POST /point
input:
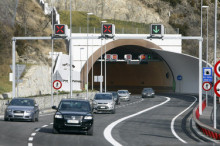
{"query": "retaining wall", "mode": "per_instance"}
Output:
(45, 101)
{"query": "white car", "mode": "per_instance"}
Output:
(124, 95)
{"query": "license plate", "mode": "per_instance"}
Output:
(73, 121)
(102, 107)
(18, 114)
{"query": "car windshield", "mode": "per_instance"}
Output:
(22, 102)
(103, 97)
(148, 90)
(75, 106)
(123, 92)
(114, 94)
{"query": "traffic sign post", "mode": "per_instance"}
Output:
(207, 86)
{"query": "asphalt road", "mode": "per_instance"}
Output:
(152, 127)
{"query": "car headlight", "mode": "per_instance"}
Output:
(9, 110)
(58, 116)
(88, 117)
(28, 111)
(94, 102)
(153, 93)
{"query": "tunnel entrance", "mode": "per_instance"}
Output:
(134, 77)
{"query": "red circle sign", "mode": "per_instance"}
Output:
(57, 84)
(217, 68)
(217, 88)
(207, 86)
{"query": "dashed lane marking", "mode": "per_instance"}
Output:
(30, 139)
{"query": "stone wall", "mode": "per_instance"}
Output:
(44, 102)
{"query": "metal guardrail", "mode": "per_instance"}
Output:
(205, 129)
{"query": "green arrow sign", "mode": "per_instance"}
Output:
(156, 30)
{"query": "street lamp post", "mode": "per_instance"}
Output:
(81, 64)
(101, 59)
(207, 45)
(87, 72)
(200, 68)
(215, 46)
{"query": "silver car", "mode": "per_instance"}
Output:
(104, 102)
(124, 95)
(22, 109)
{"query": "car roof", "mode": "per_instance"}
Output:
(23, 98)
(69, 99)
(104, 93)
(122, 90)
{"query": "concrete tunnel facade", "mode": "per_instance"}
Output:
(173, 63)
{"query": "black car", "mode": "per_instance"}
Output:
(74, 116)
(147, 92)
(116, 97)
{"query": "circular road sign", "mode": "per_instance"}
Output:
(207, 86)
(217, 68)
(179, 77)
(57, 84)
(217, 88)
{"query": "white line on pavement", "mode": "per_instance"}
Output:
(108, 129)
(33, 134)
(173, 120)
(38, 129)
(30, 144)
(51, 123)
(44, 126)
(30, 139)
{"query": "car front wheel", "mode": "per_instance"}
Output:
(90, 131)
(55, 131)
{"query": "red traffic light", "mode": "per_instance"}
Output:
(108, 30)
(59, 29)
(142, 57)
(114, 57)
(108, 57)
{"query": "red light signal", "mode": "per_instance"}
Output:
(108, 57)
(114, 57)
(59, 29)
(128, 57)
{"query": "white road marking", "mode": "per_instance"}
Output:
(51, 123)
(173, 120)
(44, 126)
(46, 115)
(38, 129)
(30, 144)
(33, 134)
(30, 139)
(108, 129)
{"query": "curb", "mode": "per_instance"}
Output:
(200, 134)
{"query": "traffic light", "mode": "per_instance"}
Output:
(143, 58)
(59, 29)
(108, 30)
(127, 57)
(114, 57)
(157, 30)
(108, 57)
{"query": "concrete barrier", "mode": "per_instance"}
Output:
(205, 129)
(44, 102)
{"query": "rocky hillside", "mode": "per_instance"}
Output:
(174, 14)
(28, 21)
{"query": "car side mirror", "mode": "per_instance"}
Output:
(54, 107)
